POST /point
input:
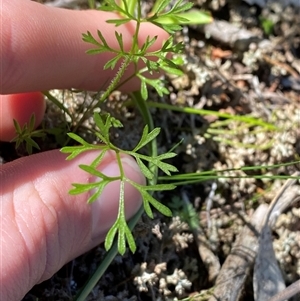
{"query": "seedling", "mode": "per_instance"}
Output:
(26, 133)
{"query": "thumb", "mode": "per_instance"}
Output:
(42, 47)
(42, 226)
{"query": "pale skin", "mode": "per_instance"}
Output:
(42, 226)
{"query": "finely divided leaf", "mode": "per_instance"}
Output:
(170, 70)
(196, 16)
(149, 42)
(116, 123)
(101, 185)
(158, 85)
(112, 62)
(78, 139)
(166, 156)
(80, 188)
(151, 65)
(76, 150)
(160, 207)
(104, 139)
(165, 167)
(130, 240)
(144, 90)
(168, 46)
(177, 8)
(159, 6)
(147, 198)
(96, 51)
(109, 239)
(103, 126)
(97, 186)
(99, 158)
(145, 170)
(146, 137)
(121, 241)
(119, 22)
(170, 28)
(159, 187)
(129, 6)
(171, 20)
(147, 207)
(93, 171)
(100, 35)
(88, 37)
(178, 15)
(109, 5)
(106, 8)
(119, 38)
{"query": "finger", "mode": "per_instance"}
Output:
(42, 47)
(19, 107)
(42, 226)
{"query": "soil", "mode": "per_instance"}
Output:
(246, 63)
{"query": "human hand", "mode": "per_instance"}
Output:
(42, 226)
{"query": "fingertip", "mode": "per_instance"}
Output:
(56, 226)
(20, 107)
(52, 39)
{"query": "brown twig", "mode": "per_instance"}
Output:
(288, 292)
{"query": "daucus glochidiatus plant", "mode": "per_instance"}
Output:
(170, 19)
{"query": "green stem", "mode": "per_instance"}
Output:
(122, 174)
(109, 90)
(115, 80)
(121, 214)
(91, 283)
(57, 103)
(143, 108)
(246, 119)
(83, 294)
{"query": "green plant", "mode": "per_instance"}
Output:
(104, 123)
(186, 212)
(267, 25)
(171, 19)
(233, 173)
(154, 61)
(26, 133)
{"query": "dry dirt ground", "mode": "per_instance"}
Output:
(247, 62)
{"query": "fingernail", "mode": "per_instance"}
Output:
(105, 208)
